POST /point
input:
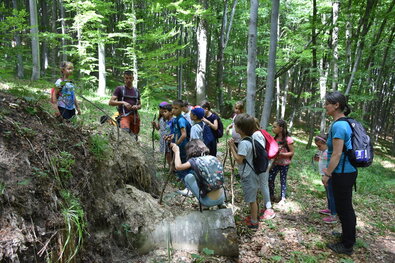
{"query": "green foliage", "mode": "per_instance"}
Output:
(64, 163)
(203, 258)
(2, 188)
(75, 221)
(98, 145)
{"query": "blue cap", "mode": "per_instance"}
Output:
(198, 111)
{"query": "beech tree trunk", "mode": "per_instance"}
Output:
(335, 37)
(201, 36)
(101, 91)
(271, 70)
(19, 60)
(251, 65)
(34, 36)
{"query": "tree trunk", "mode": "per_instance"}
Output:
(63, 24)
(285, 95)
(361, 41)
(44, 28)
(34, 36)
(102, 69)
(323, 80)
(53, 52)
(251, 65)
(19, 64)
(335, 37)
(222, 43)
(271, 70)
(201, 36)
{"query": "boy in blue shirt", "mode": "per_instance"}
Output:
(181, 131)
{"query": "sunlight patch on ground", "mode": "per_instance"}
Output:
(387, 164)
(289, 207)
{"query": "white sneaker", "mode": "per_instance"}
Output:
(185, 192)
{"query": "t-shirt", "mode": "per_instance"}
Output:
(133, 92)
(178, 123)
(197, 131)
(322, 161)
(245, 149)
(235, 135)
(283, 148)
(340, 130)
(187, 116)
(66, 97)
(260, 138)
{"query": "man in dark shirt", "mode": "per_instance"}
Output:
(127, 99)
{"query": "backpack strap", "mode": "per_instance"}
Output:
(251, 140)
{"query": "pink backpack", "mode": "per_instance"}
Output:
(271, 144)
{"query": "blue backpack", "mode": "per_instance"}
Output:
(361, 154)
(208, 136)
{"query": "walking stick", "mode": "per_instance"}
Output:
(153, 133)
(168, 177)
(232, 171)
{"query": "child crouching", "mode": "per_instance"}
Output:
(202, 165)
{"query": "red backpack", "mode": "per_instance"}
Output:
(271, 144)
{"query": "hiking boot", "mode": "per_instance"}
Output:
(339, 248)
(325, 212)
(330, 220)
(252, 225)
(185, 192)
(268, 214)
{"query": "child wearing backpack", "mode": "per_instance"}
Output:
(283, 159)
(201, 130)
(206, 179)
(320, 141)
(215, 123)
(245, 126)
(180, 135)
(267, 212)
(238, 109)
(63, 97)
(161, 125)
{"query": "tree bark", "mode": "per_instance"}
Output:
(19, 65)
(335, 37)
(201, 36)
(101, 91)
(63, 26)
(35, 41)
(271, 70)
(251, 64)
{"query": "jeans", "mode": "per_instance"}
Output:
(191, 184)
(283, 169)
(342, 191)
(330, 197)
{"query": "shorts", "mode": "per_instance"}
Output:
(250, 187)
(65, 113)
(131, 123)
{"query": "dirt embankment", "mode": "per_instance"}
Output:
(58, 183)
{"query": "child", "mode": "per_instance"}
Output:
(168, 117)
(186, 112)
(200, 130)
(244, 125)
(196, 149)
(238, 109)
(320, 141)
(212, 120)
(161, 126)
(63, 95)
(283, 159)
(267, 212)
(181, 131)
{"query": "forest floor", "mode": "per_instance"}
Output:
(296, 234)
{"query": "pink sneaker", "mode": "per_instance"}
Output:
(325, 212)
(268, 214)
(330, 220)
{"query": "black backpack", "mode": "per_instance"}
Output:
(260, 160)
(361, 154)
(220, 131)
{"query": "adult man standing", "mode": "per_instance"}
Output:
(127, 99)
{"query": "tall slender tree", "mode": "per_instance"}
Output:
(251, 64)
(271, 68)
(35, 41)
